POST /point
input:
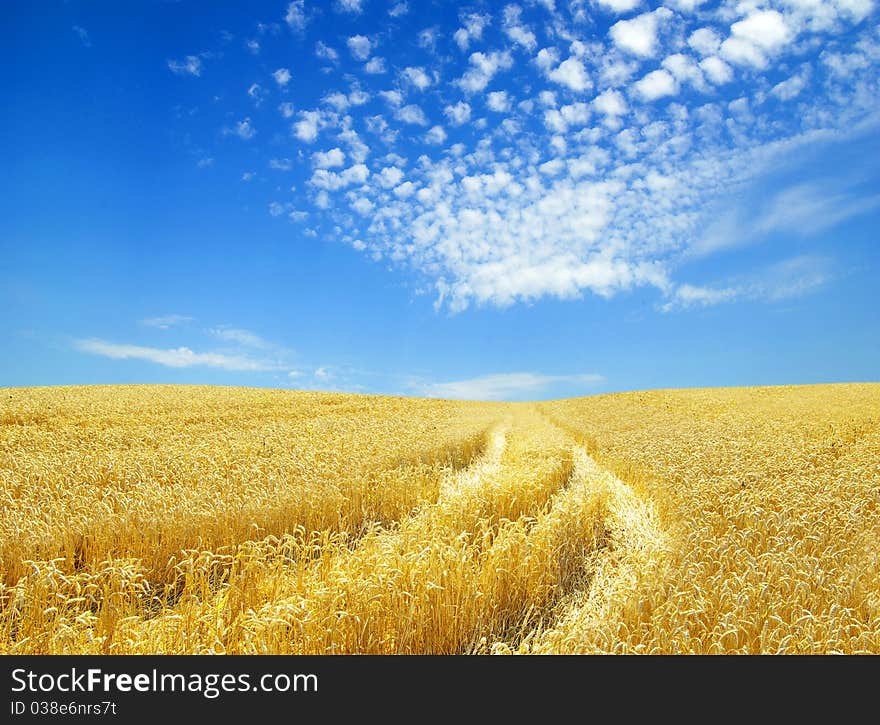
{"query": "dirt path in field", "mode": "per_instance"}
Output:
(485, 466)
(635, 551)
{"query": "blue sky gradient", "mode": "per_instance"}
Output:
(486, 200)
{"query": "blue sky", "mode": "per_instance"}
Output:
(492, 200)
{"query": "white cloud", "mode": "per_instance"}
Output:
(688, 295)
(412, 114)
(238, 336)
(286, 110)
(608, 194)
(398, 9)
(379, 126)
(428, 39)
(308, 126)
(585, 223)
(359, 46)
(572, 74)
(685, 6)
(615, 71)
(763, 32)
(375, 66)
(325, 52)
(656, 84)
(559, 120)
(716, 70)
(791, 87)
(358, 97)
(180, 357)
(458, 114)
(705, 41)
(353, 7)
(323, 373)
(472, 29)
(684, 70)
(392, 98)
(498, 101)
(357, 149)
(248, 176)
(333, 158)
(389, 176)
(552, 167)
(404, 190)
(503, 386)
(338, 100)
(332, 181)
(619, 6)
(546, 59)
(611, 103)
(282, 76)
(281, 164)
(742, 52)
(165, 322)
(436, 135)
(295, 16)
(257, 93)
(516, 30)
(362, 206)
(190, 65)
(484, 67)
(856, 10)
(766, 29)
(639, 35)
(244, 129)
(417, 77)
(844, 65)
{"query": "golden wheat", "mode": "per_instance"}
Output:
(140, 519)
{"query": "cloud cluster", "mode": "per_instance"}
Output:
(782, 280)
(528, 151)
(503, 386)
(180, 357)
(229, 348)
(190, 65)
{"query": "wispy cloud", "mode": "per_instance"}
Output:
(790, 278)
(244, 129)
(803, 210)
(190, 65)
(783, 280)
(809, 209)
(238, 336)
(353, 7)
(295, 16)
(83, 35)
(503, 386)
(576, 158)
(164, 322)
(323, 374)
(180, 357)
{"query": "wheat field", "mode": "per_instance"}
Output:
(186, 519)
